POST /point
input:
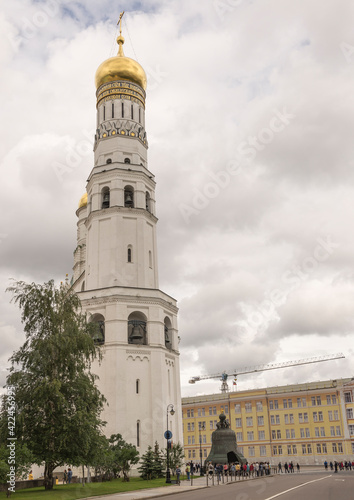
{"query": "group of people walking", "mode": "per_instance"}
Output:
(288, 467)
(255, 469)
(346, 465)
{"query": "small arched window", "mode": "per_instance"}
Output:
(137, 328)
(130, 254)
(105, 197)
(168, 333)
(99, 332)
(127, 160)
(129, 197)
(147, 202)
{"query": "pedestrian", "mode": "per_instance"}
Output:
(286, 467)
(325, 464)
(238, 469)
(256, 468)
(219, 470)
(188, 471)
(178, 475)
(210, 470)
(298, 467)
(331, 465)
(232, 470)
(335, 466)
(70, 475)
(65, 477)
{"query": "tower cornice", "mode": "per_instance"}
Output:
(121, 210)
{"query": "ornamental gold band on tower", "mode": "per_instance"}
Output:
(121, 84)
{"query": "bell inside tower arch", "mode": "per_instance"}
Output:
(105, 198)
(128, 197)
(137, 328)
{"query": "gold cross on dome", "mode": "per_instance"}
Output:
(120, 21)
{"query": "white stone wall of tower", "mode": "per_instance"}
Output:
(111, 286)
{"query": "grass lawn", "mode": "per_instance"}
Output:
(73, 491)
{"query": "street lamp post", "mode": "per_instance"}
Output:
(168, 436)
(201, 428)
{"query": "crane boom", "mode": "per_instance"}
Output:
(261, 368)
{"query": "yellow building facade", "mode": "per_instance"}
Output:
(304, 423)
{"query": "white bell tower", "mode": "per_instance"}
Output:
(115, 266)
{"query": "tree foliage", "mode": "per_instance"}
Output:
(24, 461)
(124, 455)
(152, 466)
(175, 457)
(58, 405)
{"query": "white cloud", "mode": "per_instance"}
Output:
(214, 81)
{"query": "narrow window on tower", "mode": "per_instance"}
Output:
(147, 201)
(130, 257)
(132, 112)
(112, 109)
(104, 112)
(122, 109)
(150, 259)
(168, 333)
(137, 385)
(138, 434)
(139, 115)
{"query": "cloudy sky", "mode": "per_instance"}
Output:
(250, 116)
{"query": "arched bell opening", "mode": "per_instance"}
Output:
(99, 333)
(105, 198)
(168, 333)
(129, 197)
(147, 201)
(137, 328)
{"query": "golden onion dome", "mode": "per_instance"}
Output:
(83, 201)
(120, 67)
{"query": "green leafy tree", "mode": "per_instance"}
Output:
(24, 461)
(124, 456)
(175, 457)
(58, 405)
(102, 459)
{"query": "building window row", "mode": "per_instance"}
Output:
(195, 453)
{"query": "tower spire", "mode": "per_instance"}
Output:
(120, 39)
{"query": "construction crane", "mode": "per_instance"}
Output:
(262, 368)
